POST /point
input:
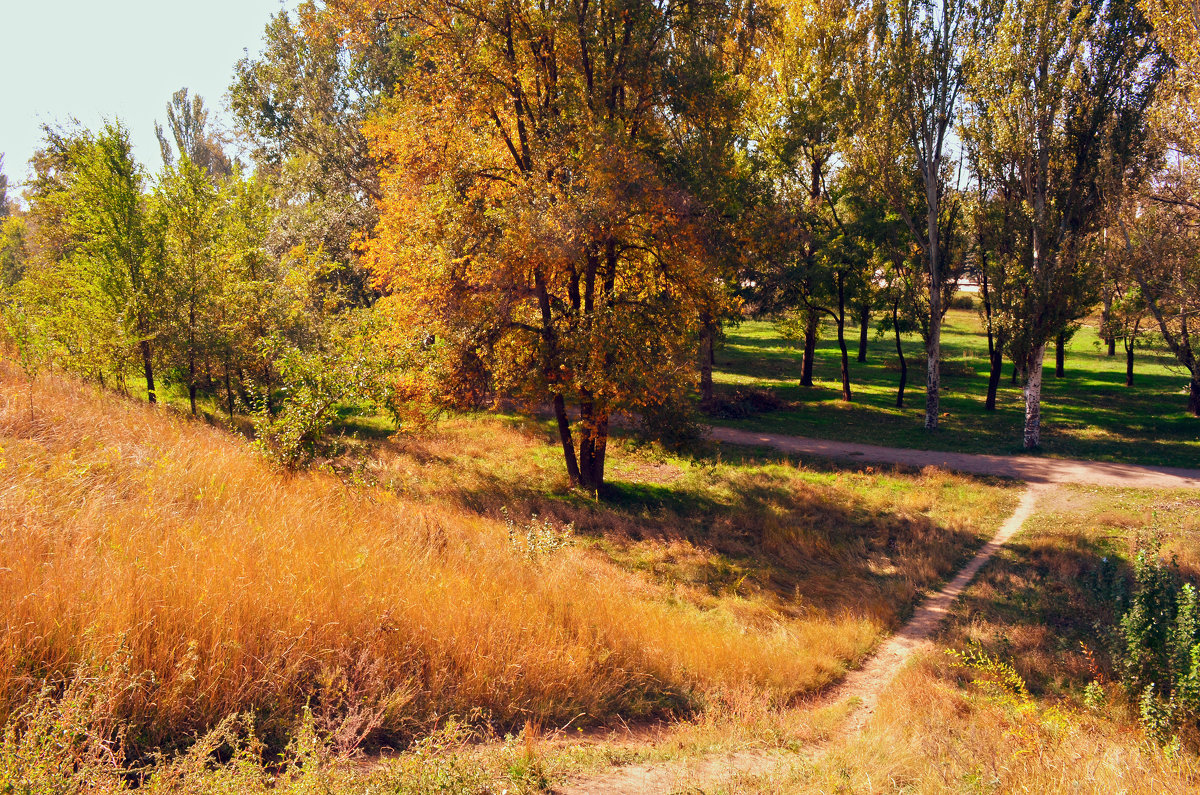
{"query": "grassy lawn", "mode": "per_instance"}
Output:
(1089, 414)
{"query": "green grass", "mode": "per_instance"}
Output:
(1088, 414)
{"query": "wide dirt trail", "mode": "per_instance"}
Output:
(865, 684)
(1019, 467)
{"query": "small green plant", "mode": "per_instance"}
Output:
(997, 678)
(526, 769)
(538, 538)
(1094, 696)
(291, 422)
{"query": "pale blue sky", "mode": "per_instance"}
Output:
(116, 59)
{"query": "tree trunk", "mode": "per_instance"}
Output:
(1129, 345)
(1060, 355)
(599, 449)
(900, 354)
(841, 335)
(192, 357)
(564, 436)
(995, 347)
(1105, 319)
(1013, 378)
(811, 325)
(864, 321)
(841, 329)
(1194, 395)
(997, 366)
(148, 366)
(1033, 400)
(229, 392)
(933, 345)
(593, 441)
(707, 333)
(933, 370)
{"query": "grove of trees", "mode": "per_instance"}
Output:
(424, 204)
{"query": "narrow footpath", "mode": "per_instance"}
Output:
(865, 684)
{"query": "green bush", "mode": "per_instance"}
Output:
(1158, 647)
(290, 423)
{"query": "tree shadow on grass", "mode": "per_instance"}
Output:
(732, 522)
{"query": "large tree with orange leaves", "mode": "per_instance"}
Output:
(529, 224)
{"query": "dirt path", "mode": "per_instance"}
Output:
(864, 684)
(867, 683)
(1020, 467)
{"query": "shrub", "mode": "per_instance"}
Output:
(1158, 647)
(674, 423)
(962, 301)
(743, 403)
(352, 369)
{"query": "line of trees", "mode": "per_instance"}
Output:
(562, 201)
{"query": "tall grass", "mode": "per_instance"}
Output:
(202, 583)
(929, 736)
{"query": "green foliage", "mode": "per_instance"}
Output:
(290, 422)
(59, 744)
(13, 249)
(997, 678)
(1158, 647)
(1094, 696)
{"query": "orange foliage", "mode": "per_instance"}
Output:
(528, 224)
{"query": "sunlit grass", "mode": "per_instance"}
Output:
(1088, 414)
(201, 583)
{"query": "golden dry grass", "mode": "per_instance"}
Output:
(206, 584)
(928, 735)
(761, 536)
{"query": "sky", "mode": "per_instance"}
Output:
(105, 59)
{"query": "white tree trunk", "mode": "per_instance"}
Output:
(1033, 400)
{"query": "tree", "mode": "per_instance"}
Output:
(13, 234)
(4, 208)
(707, 153)
(1170, 215)
(1162, 245)
(194, 140)
(187, 201)
(900, 292)
(119, 255)
(1067, 88)
(302, 104)
(805, 114)
(925, 47)
(527, 222)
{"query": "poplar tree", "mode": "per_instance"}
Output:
(1066, 88)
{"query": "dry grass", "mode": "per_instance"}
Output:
(204, 584)
(763, 537)
(941, 727)
(929, 735)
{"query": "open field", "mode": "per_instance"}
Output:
(1089, 414)
(177, 580)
